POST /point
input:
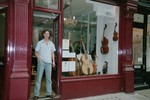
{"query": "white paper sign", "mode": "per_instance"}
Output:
(64, 66)
(65, 44)
(68, 66)
(71, 66)
(67, 54)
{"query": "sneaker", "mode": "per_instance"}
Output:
(35, 98)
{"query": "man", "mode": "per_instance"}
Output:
(44, 52)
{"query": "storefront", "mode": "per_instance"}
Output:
(93, 39)
(141, 47)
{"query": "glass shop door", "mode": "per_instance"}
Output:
(2, 48)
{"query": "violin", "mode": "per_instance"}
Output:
(104, 48)
(115, 37)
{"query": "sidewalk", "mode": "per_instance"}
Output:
(137, 95)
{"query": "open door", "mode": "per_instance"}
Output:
(2, 48)
(140, 51)
(55, 76)
(42, 21)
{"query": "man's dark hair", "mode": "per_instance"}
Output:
(50, 32)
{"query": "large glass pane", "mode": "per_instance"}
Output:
(148, 46)
(138, 46)
(53, 4)
(84, 48)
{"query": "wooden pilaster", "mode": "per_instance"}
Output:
(130, 9)
(17, 70)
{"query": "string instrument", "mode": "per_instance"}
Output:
(94, 68)
(115, 37)
(104, 48)
(72, 73)
(87, 67)
(77, 71)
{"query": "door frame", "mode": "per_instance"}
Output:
(60, 34)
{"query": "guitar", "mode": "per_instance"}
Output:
(87, 67)
(77, 71)
(115, 37)
(104, 48)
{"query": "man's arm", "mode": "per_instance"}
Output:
(53, 59)
(37, 55)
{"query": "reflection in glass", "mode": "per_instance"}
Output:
(52, 4)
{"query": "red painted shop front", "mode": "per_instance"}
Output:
(21, 20)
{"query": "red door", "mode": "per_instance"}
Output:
(55, 73)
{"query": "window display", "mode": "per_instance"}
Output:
(92, 41)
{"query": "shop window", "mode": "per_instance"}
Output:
(138, 46)
(148, 46)
(52, 4)
(90, 39)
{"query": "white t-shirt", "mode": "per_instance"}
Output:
(45, 50)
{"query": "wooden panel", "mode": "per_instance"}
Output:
(19, 89)
(89, 87)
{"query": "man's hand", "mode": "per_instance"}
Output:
(53, 65)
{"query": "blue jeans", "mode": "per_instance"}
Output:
(48, 70)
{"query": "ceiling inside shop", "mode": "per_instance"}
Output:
(77, 8)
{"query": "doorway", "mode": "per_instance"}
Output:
(141, 52)
(43, 21)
